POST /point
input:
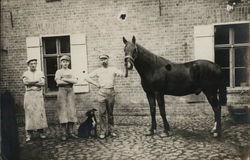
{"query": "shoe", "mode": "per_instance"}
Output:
(102, 136)
(112, 134)
(28, 138)
(72, 135)
(63, 138)
(42, 136)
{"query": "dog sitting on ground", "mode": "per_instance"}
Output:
(88, 128)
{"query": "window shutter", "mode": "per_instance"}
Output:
(79, 61)
(204, 42)
(34, 50)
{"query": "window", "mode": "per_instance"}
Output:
(53, 49)
(232, 46)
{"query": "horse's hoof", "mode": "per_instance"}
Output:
(170, 133)
(212, 131)
(150, 133)
(216, 135)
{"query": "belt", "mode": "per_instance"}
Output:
(66, 85)
(108, 88)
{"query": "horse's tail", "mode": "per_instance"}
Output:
(223, 95)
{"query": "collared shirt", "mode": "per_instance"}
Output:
(106, 76)
(33, 76)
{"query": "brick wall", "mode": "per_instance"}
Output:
(166, 30)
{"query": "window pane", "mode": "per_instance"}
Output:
(226, 76)
(241, 33)
(222, 57)
(241, 57)
(240, 77)
(50, 45)
(51, 83)
(222, 35)
(51, 65)
(65, 44)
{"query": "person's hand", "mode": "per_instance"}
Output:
(98, 86)
(63, 79)
(33, 82)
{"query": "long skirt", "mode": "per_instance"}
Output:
(35, 116)
(66, 105)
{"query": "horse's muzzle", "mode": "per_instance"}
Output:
(129, 62)
(129, 65)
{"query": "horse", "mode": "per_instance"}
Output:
(160, 77)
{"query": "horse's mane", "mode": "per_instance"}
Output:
(151, 58)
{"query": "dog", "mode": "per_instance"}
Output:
(88, 128)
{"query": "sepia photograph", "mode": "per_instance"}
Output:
(125, 79)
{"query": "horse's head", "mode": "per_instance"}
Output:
(131, 53)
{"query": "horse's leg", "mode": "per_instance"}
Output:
(152, 104)
(213, 100)
(161, 104)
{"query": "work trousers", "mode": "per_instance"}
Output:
(106, 99)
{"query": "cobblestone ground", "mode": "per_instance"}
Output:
(190, 140)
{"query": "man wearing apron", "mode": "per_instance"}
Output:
(35, 117)
(65, 79)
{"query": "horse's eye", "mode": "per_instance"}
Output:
(134, 51)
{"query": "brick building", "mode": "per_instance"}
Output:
(178, 30)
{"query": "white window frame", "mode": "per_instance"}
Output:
(204, 38)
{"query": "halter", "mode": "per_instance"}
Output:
(131, 58)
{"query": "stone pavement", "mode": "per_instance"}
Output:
(190, 140)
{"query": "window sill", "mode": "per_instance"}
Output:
(238, 90)
(50, 95)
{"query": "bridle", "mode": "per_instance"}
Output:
(131, 58)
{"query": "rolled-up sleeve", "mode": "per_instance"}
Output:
(24, 77)
(57, 75)
(42, 79)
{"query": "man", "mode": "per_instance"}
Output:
(106, 94)
(35, 117)
(65, 79)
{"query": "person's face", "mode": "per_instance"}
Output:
(32, 65)
(65, 63)
(104, 62)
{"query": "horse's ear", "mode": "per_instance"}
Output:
(87, 113)
(124, 40)
(168, 67)
(133, 40)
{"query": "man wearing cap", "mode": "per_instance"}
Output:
(106, 94)
(35, 117)
(66, 98)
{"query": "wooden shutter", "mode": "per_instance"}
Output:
(204, 42)
(79, 61)
(33, 45)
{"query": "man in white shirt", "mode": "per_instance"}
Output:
(106, 94)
